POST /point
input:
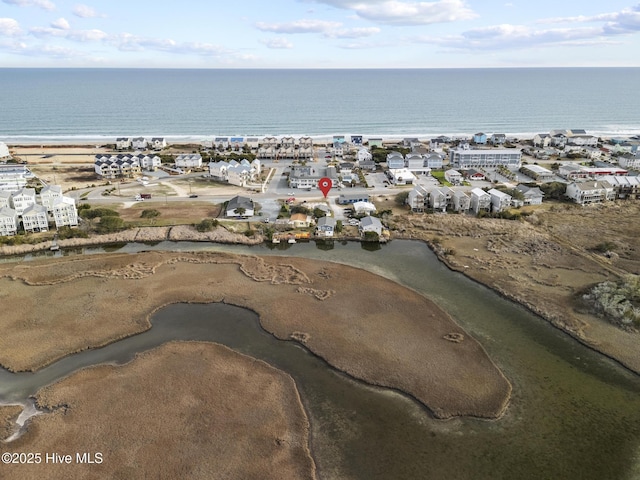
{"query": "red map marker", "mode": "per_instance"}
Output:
(325, 184)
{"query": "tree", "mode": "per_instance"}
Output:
(339, 226)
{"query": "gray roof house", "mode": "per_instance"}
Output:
(326, 226)
(239, 202)
(370, 224)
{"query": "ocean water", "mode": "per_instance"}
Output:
(57, 105)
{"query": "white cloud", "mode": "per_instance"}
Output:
(394, 12)
(9, 27)
(352, 32)
(277, 43)
(298, 26)
(44, 4)
(85, 11)
(61, 24)
(46, 50)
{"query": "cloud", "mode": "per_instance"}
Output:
(394, 12)
(44, 4)
(84, 11)
(299, 26)
(9, 27)
(277, 43)
(46, 50)
(73, 35)
(325, 28)
(61, 24)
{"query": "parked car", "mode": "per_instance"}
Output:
(193, 195)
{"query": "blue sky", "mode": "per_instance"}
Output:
(319, 33)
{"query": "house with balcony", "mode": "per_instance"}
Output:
(236, 143)
(480, 201)
(189, 160)
(538, 173)
(460, 201)
(5, 198)
(542, 140)
(626, 187)
(452, 176)
(23, 199)
(629, 161)
(356, 140)
(287, 148)
(49, 194)
(123, 143)
(433, 161)
(218, 170)
(418, 198)
(65, 212)
(149, 162)
(326, 226)
(500, 201)
(8, 222)
(35, 219)
(498, 139)
(363, 155)
(480, 138)
(239, 173)
(464, 158)
(415, 163)
(158, 143)
(13, 177)
(370, 224)
(307, 176)
(305, 148)
(585, 193)
(139, 143)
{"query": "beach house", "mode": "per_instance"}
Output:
(8, 221)
(139, 143)
(326, 226)
(23, 199)
(584, 193)
(626, 187)
(34, 219)
(500, 201)
(158, 143)
(65, 212)
(123, 143)
(480, 201)
(370, 224)
(49, 194)
(189, 160)
(13, 177)
(480, 138)
(307, 176)
(532, 195)
(452, 176)
(5, 198)
(4, 151)
(460, 201)
(239, 206)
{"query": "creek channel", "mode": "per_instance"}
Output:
(573, 413)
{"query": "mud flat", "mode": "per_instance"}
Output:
(182, 410)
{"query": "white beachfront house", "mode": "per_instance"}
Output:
(139, 143)
(500, 201)
(5, 198)
(4, 151)
(480, 201)
(13, 177)
(370, 224)
(363, 155)
(218, 170)
(189, 160)
(452, 176)
(34, 219)
(460, 201)
(23, 199)
(149, 162)
(49, 194)
(8, 221)
(65, 212)
(123, 143)
(585, 193)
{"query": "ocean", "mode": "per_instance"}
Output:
(95, 105)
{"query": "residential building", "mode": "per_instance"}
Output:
(287, 148)
(418, 198)
(585, 193)
(491, 158)
(375, 142)
(121, 165)
(239, 206)
(34, 219)
(123, 143)
(149, 162)
(473, 174)
(629, 161)
(236, 143)
(542, 140)
(582, 140)
(23, 199)
(347, 199)
(326, 226)
(221, 143)
(190, 160)
(439, 199)
(206, 143)
(305, 148)
(395, 160)
(65, 212)
(5, 198)
(8, 222)
(572, 171)
(532, 195)
(363, 155)
(366, 208)
(626, 187)
(453, 176)
(252, 142)
(356, 140)
(460, 201)
(49, 194)
(4, 151)
(480, 138)
(368, 165)
(401, 176)
(498, 139)
(538, 173)
(158, 143)
(307, 176)
(14, 177)
(500, 201)
(239, 173)
(415, 163)
(300, 220)
(370, 224)
(139, 143)
(338, 149)
(480, 201)
(433, 161)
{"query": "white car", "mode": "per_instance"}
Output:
(291, 194)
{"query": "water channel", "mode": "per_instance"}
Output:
(574, 414)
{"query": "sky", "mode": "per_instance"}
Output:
(319, 33)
